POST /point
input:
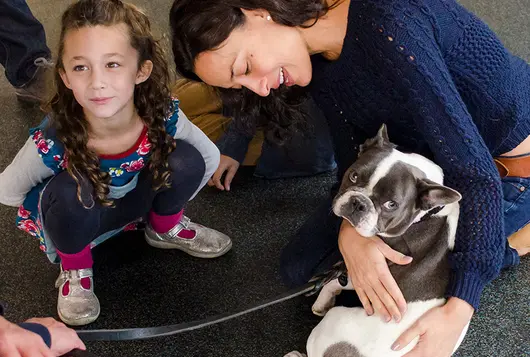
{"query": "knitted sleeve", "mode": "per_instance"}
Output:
(442, 118)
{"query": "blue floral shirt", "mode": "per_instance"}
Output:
(123, 168)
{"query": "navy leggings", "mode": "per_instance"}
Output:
(72, 227)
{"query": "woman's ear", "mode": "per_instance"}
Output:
(258, 13)
(64, 77)
(144, 72)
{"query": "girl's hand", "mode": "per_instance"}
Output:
(369, 273)
(228, 165)
(438, 330)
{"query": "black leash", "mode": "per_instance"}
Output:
(141, 333)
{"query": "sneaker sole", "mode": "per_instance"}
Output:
(78, 322)
(29, 99)
(165, 245)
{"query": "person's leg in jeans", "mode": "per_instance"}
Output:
(516, 204)
(313, 249)
(23, 51)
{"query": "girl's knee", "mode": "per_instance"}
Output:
(186, 161)
(61, 186)
(63, 189)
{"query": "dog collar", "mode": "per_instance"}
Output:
(431, 213)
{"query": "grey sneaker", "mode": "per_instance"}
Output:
(76, 305)
(199, 241)
(35, 90)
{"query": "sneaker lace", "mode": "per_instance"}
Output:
(43, 62)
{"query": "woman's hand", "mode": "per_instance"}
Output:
(438, 330)
(228, 165)
(64, 339)
(369, 273)
(18, 342)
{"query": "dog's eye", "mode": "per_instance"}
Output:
(353, 177)
(390, 205)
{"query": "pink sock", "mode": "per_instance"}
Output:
(76, 261)
(162, 224)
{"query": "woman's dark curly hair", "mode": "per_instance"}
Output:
(203, 25)
(152, 98)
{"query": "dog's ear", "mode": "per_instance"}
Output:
(431, 195)
(379, 141)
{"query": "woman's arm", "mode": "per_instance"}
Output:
(26, 171)
(442, 118)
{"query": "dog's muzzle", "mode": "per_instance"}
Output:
(359, 210)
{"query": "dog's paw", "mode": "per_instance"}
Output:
(321, 307)
(295, 354)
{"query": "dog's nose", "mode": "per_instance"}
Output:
(357, 205)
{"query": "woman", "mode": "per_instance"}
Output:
(441, 81)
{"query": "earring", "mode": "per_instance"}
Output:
(269, 17)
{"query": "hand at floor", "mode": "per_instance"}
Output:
(439, 330)
(227, 165)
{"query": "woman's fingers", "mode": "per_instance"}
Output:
(389, 283)
(391, 254)
(377, 304)
(230, 176)
(8, 350)
(365, 301)
(406, 337)
(389, 302)
(216, 178)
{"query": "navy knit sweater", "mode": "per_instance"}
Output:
(447, 88)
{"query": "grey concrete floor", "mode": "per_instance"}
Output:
(141, 286)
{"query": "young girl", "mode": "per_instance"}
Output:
(114, 148)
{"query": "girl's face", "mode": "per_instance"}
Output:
(101, 69)
(260, 55)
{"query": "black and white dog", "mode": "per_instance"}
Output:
(401, 198)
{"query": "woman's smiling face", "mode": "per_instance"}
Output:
(260, 55)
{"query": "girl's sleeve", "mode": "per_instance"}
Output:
(26, 171)
(189, 132)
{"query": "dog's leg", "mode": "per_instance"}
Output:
(295, 354)
(326, 298)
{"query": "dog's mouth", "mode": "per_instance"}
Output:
(359, 210)
(363, 226)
